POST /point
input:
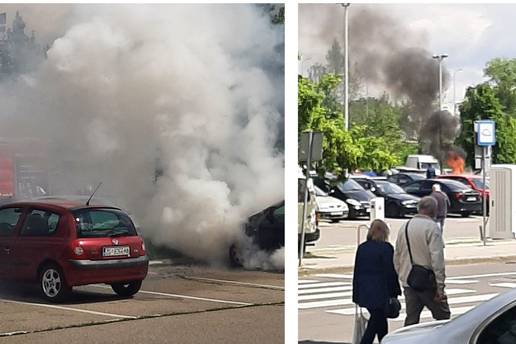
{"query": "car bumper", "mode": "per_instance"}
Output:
(409, 210)
(311, 237)
(366, 212)
(465, 207)
(80, 272)
(333, 215)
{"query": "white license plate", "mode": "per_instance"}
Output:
(113, 251)
(338, 213)
(471, 199)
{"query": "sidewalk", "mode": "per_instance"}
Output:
(456, 252)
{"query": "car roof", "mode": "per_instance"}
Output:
(467, 176)
(57, 203)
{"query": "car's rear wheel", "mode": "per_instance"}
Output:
(127, 289)
(52, 283)
(334, 220)
(234, 257)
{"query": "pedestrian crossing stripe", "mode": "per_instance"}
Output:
(459, 281)
(324, 290)
(348, 301)
(307, 281)
(451, 301)
(338, 276)
(324, 296)
(350, 277)
(424, 315)
(503, 285)
(323, 284)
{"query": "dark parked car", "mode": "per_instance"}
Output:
(61, 244)
(473, 181)
(356, 197)
(266, 230)
(398, 203)
(403, 179)
(463, 199)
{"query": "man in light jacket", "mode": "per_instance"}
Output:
(426, 244)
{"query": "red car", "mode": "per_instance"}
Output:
(473, 181)
(63, 243)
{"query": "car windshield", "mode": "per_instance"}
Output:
(478, 183)
(425, 165)
(349, 185)
(102, 222)
(319, 192)
(390, 188)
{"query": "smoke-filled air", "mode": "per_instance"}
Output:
(388, 57)
(177, 110)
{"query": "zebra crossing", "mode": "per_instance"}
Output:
(332, 294)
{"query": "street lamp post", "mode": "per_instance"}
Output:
(346, 69)
(440, 58)
(454, 94)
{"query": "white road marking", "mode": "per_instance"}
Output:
(323, 290)
(451, 301)
(484, 275)
(345, 276)
(236, 282)
(307, 281)
(323, 296)
(424, 315)
(343, 302)
(459, 281)
(69, 309)
(183, 296)
(323, 284)
(503, 285)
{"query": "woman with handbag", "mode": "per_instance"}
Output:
(375, 282)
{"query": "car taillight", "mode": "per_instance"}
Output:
(458, 195)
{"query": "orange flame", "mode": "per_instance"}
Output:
(455, 162)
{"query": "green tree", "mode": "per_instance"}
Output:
(481, 102)
(502, 76)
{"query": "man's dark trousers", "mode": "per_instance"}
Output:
(415, 301)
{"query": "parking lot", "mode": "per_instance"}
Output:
(176, 304)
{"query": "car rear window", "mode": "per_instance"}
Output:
(454, 185)
(99, 223)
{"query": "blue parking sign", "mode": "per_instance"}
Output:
(486, 133)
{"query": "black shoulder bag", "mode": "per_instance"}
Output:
(419, 278)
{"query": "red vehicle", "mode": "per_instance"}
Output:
(63, 243)
(473, 181)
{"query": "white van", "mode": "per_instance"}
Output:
(422, 162)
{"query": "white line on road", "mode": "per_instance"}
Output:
(323, 296)
(503, 285)
(183, 296)
(323, 290)
(451, 301)
(236, 282)
(403, 315)
(70, 309)
(324, 284)
(485, 275)
(345, 276)
(459, 281)
(343, 302)
(307, 281)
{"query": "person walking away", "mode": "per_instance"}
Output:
(426, 249)
(430, 172)
(443, 202)
(374, 279)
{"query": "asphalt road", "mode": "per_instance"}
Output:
(177, 304)
(326, 311)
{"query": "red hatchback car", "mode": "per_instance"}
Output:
(61, 244)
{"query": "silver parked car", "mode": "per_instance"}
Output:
(492, 322)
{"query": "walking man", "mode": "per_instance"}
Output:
(443, 202)
(426, 249)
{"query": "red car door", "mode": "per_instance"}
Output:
(9, 224)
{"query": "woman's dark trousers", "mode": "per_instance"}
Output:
(377, 325)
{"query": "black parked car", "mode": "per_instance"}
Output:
(398, 203)
(266, 230)
(405, 178)
(356, 197)
(463, 199)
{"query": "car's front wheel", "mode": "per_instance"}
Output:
(127, 289)
(52, 283)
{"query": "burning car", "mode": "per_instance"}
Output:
(266, 230)
(62, 244)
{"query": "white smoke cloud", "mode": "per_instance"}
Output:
(187, 88)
